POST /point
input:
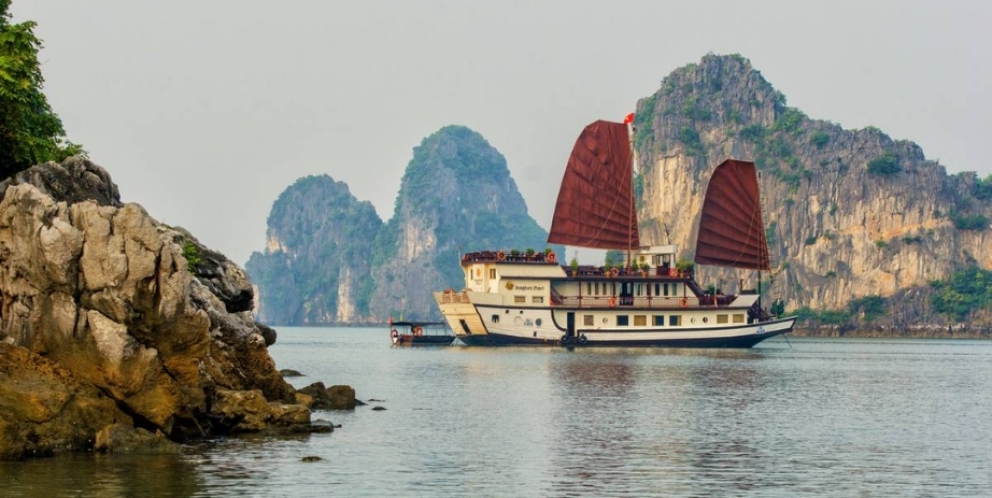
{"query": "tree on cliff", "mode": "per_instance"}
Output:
(30, 132)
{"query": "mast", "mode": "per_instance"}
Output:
(629, 121)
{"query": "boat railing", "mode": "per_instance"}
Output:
(451, 296)
(652, 302)
(663, 272)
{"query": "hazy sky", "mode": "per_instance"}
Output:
(204, 111)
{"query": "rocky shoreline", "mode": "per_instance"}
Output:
(119, 333)
(923, 332)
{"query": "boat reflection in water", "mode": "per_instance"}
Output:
(605, 435)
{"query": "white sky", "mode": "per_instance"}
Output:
(203, 111)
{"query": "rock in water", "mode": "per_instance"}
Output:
(118, 318)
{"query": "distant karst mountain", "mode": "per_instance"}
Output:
(859, 224)
(331, 260)
(315, 269)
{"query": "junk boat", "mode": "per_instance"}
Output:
(648, 299)
(420, 333)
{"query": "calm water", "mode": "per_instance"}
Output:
(817, 418)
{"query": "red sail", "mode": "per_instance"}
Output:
(731, 232)
(595, 205)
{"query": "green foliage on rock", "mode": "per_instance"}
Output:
(983, 188)
(871, 306)
(820, 139)
(30, 132)
(976, 222)
(822, 317)
(754, 133)
(964, 292)
(884, 165)
(192, 255)
(790, 121)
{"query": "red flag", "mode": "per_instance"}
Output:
(628, 119)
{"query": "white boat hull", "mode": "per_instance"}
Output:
(499, 325)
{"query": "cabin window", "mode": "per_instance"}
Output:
(537, 299)
(739, 318)
(589, 288)
(675, 320)
(519, 299)
(492, 273)
(640, 289)
(666, 289)
(623, 320)
(659, 320)
(495, 318)
(587, 320)
(657, 289)
(538, 322)
(640, 320)
(721, 319)
(706, 319)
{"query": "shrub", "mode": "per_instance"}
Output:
(811, 240)
(830, 274)
(975, 222)
(884, 165)
(752, 133)
(192, 255)
(690, 137)
(872, 307)
(820, 139)
(790, 121)
(983, 188)
(964, 292)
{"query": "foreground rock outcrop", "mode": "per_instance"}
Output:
(110, 318)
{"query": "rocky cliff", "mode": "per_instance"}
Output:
(850, 213)
(112, 323)
(315, 269)
(329, 261)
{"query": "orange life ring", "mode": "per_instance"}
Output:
(418, 331)
(500, 256)
(614, 272)
(683, 302)
(394, 334)
(612, 302)
(672, 272)
(550, 258)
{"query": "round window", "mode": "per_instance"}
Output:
(537, 322)
(705, 320)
